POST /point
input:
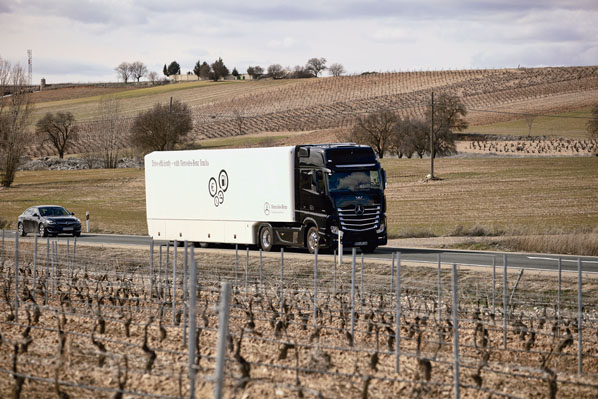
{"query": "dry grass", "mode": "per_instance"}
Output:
(531, 195)
(115, 198)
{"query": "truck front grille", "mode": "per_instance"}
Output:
(352, 219)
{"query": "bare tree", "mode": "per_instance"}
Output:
(411, 136)
(60, 130)
(161, 128)
(138, 70)
(276, 71)
(14, 116)
(375, 130)
(153, 76)
(110, 131)
(444, 116)
(592, 124)
(124, 71)
(316, 65)
(337, 69)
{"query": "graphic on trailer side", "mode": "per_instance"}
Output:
(218, 188)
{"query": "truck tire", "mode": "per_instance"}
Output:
(312, 239)
(266, 238)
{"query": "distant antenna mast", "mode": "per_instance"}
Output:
(30, 65)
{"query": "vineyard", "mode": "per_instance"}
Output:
(82, 321)
(228, 109)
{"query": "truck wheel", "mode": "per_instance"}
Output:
(312, 239)
(266, 238)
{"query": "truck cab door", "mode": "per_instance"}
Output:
(312, 192)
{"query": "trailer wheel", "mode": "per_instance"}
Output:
(266, 238)
(312, 239)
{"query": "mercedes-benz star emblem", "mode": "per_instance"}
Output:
(359, 210)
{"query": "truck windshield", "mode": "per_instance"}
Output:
(354, 181)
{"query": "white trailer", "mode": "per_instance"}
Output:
(218, 196)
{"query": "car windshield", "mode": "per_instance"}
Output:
(53, 211)
(354, 181)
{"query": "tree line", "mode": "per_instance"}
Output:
(389, 133)
(218, 70)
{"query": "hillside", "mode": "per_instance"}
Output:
(227, 109)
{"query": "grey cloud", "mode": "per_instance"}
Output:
(60, 66)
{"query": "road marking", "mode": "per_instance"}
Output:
(563, 260)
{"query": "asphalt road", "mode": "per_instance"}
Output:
(467, 258)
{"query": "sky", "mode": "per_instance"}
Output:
(83, 41)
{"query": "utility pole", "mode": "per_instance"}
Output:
(432, 152)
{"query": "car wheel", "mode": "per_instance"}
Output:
(312, 239)
(21, 228)
(266, 238)
(42, 230)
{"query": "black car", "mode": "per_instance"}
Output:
(48, 219)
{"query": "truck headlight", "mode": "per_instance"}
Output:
(381, 228)
(334, 229)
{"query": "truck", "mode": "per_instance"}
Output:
(297, 196)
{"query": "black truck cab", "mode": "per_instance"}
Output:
(339, 190)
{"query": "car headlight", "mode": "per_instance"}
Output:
(334, 229)
(50, 221)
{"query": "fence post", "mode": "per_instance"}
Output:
(340, 247)
(74, 252)
(504, 301)
(2, 253)
(246, 272)
(439, 292)
(334, 275)
(494, 288)
(17, 277)
(48, 270)
(151, 269)
(159, 281)
(398, 316)
(191, 343)
(353, 297)
(558, 302)
(174, 265)
(222, 338)
(68, 265)
(456, 332)
(392, 277)
(166, 270)
(281, 278)
(316, 289)
(54, 267)
(261, 273)
(185, 307)
(579, 318)
(236, 264)
(362, 296)
(34, 265)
